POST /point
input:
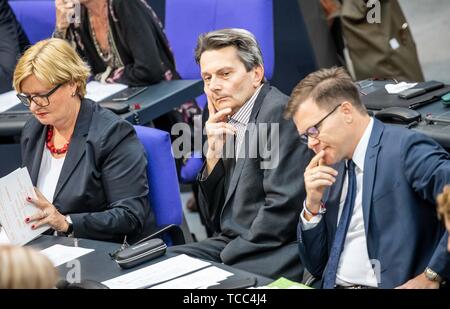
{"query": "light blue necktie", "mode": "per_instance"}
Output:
(329, 277)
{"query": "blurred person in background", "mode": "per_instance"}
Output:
(25, 268)
(123, 41)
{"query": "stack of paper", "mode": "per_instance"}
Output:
(60, 254)
(8, 100)
(199, 280)
(14, 208)
(157, 273)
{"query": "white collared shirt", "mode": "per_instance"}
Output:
(240, 120)
(49, 172)
(354, 264)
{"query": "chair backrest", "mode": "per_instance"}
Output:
(36, 17)
(185, 20)
(164, 191)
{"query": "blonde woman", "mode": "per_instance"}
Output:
(25, 268)
(86, 162)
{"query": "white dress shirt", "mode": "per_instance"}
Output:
(240, 121)
(354, 264)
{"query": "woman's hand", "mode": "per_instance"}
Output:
(65, 11)
(46, 214)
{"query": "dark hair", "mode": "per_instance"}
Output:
(325, 87)
(245, 42)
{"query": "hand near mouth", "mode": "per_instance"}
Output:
(217, 130)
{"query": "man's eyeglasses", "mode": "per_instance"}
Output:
(40, 99)
(313, 131)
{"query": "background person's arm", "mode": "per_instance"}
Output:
(9, 48)
(140, 35)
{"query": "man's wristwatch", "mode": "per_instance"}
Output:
(432, 275)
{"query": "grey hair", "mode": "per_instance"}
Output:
(244, 41)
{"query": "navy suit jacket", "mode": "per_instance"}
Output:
(404, 171)
(103, 182)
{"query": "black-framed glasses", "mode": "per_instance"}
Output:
(40, 99)
(313, 131)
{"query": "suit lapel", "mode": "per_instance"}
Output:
(77, 144)
(333, 198)
(35, 164)
(253, 137)
(370, 165)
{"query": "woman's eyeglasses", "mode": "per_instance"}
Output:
(39, 99)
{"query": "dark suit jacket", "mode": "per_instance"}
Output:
(103, 182)
(13, 41)
(404, 171)
(258, 208)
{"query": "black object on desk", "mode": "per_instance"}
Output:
(116, 107)
(380, 99)
(435, 117)
(398, 115)
(141, 253)
(127, 93)
(420, 89)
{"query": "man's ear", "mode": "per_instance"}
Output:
(258, 75)
(347, 108)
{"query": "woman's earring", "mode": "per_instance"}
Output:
(73, 94)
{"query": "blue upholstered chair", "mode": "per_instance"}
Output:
(37, 17)
(164, 192)
(185, 20)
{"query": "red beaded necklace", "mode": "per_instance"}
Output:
(50, 144)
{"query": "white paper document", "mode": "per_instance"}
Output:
(60, 254)
(97, 91)
(8, 100)
(14, 208)
(397, 88)
(156, 273)
(200, 279)
(4, 240)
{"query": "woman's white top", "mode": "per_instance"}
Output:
(49, 174)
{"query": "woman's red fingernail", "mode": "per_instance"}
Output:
(29, 199)
(27, 219)
(33, 226)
